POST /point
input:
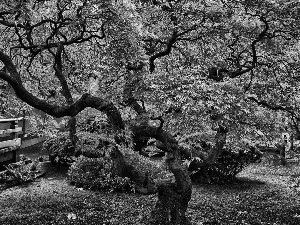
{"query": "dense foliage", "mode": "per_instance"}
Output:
(96, 174)
(60, 148)
(159, 68)
(96, 149)
(228, 165)
(24, 171)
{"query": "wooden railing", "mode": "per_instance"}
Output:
(10, 138)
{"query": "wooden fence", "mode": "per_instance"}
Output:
(11, 131)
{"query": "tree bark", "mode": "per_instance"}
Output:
(58, 67)
(210, 157)
(73, 109)
(72, 130)
(173, 196)
(282, 153)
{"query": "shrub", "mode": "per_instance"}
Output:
(96, 174)
(154, 169)
(95, 125)
(21, 172)
(144, 164)
(92, 145)
(60, 148)
(227, 166)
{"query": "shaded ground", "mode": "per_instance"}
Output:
(262, 195)
(258, 197)
(33, 152)
(51, 200)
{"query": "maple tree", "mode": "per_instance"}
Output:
(164, 66)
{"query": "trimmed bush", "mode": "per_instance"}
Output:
(94, 125)
(227, 166)
(60, 149)
(96, 174)
(93, 145)
(21, 172)
(144, 164)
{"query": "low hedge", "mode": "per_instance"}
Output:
(96, 174)
(228, 165)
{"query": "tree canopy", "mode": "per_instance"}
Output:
(161, 67)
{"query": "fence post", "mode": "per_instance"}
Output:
(13, 125)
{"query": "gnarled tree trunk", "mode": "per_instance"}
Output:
(173, 196)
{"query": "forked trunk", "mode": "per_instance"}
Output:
(72, 130)
(173, 195)
(173, 199)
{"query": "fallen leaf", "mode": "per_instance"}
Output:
(72, 216)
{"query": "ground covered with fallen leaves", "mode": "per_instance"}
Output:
(263, 194)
